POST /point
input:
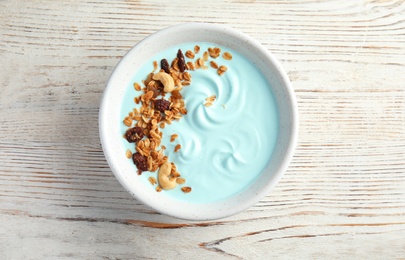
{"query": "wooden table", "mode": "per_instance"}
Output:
(343, 195)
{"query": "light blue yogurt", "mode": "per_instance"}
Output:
(225, 147)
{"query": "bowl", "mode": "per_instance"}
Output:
(110, 120)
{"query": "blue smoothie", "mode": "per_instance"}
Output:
(225, 147)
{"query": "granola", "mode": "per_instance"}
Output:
(161, 103)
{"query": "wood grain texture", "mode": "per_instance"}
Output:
(343, 195)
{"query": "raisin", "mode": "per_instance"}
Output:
(140, 162)
(134, 134)
(162, 105)
(165, 66)
(181, 62)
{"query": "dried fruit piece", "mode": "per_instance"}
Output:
(181, 62)
(140, 162)
(134, 134)
(162, 105)
(165, 66)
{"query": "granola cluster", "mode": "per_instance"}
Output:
(161, 103)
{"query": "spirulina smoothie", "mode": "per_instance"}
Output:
(227, 133)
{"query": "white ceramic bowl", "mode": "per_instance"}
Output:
(109, 119)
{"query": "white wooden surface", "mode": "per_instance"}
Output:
(342, 197)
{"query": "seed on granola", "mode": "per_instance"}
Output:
(140, 162)
(165, 66)
(190, 54)
(127, 121)
(134, 134)
(173, 137)
(186, 189)
(214, 64)
(162, 105)
(137, 87)
(227, 56)
(196, 49)
(177, 148)
(181, 62)
(128, 154)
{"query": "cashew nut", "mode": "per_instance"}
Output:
(164, 176)
(166, 80)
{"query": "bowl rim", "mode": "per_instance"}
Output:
(292, 139)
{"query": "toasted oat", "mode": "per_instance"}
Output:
(214, 64)
(127, 121)
(137, 87)
(177, 148)
(187, 76)
(155, 65)
(173, 137)
(221, 70)
(196, 49)
(158, 188)
(180, 180)
(208, 104)
(200, 62)
(190, 54)
(227, 56)
(190, 65)
(205, 56)
(186, 189)
(214, 52)
(152, 180)
(128, 154)
(211, 98)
